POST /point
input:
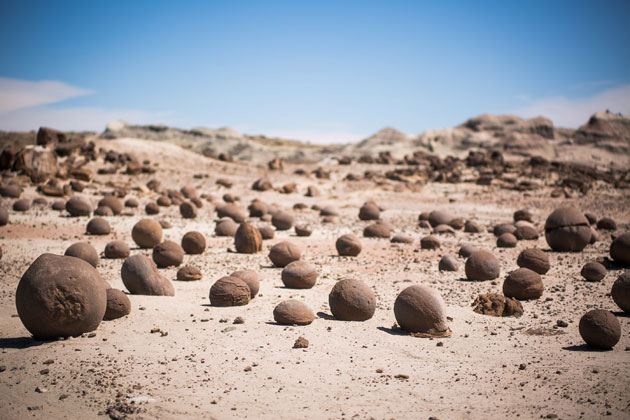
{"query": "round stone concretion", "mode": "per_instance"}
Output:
(118, 304)
(482, 265)
(229, 291)
(621, 291)
(147, 233)
(420, 309)
(535, 259)
(168, 254)
(352, 300)
(60, 296)
(348, 245)
(194, 243)
(600, 329)
(293, 312)
(284, 253)
(620, 249)
(84, 251)
(299, 275)
(567, 230)
(251, 279)
(523, 284)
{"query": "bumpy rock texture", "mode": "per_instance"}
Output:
(60, 296)
(494, 304)
(230, 291)
(251, 278)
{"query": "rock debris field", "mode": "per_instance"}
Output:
(143, 280)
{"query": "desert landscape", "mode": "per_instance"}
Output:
(440, 275)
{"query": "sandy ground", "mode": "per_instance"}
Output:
(204, 366)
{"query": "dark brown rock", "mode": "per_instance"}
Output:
(420, 309)
(141, 277)
(258, 209)
(472, 227)
(118, 304)
(466, 251)
(299, 275)
(147, 233)
(113, 203)
(494, 304)
(247, 239)
(503, 228)
(369, 211)
(4, 216)
(188, 210)
(152, 208)
(282, 220)
(567, 229)
(348, 245)
(168, 254)
(439, 217)
(229, 291)
(523, 214)
(78, 206)
(593, 271)
(401, 238)
(189, 273)
(506, 240)
(482, 265)
(620, 249)
(22, 205)
(621, 291)
(60, 296)
(232, 211)
(600, 329)
(535, 259)
(526, 232)
(193, 242)
(251, 279)
(293, 312)
(131, 203)
(103, 211)
(98, 226)
(84, 251)
(606, 223)
(225, 227)
(284, 253)
(303, 230)
(429, 242)
(266, 232)
(117, 249)
(448, 263)
(352, 300)
(377, 230)
(523, 284)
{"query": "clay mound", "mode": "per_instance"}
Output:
(494, 304)
(60, 297)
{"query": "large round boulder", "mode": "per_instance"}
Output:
(535, 259)
(232, 211)
(348, 245)
(352, 300)
(247, 239)
(98, 226)
(284, 253)
(168, 254)
(78, 206)
(60, 296)
(293, 312)
(421, 309)
(84, 251)
(299, 275)
(141, 277)
(567, 229)
(147, 233)
(620, 249)
(230, 291)
(523, 284)
(193, 242)
(482, 265)
(600, 329)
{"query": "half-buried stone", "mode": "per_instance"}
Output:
(152, 208)
(193, 242)
(567, 229)
(299, 275)
(230, 291)
(482, 265)
(98, 226)
(118, 305)
(503, 228)
(348, 245)
(352, 300)
(103, 211)
(593, 271)
(147, 233)
(4, 216)
(523, 284)
(369, 211)
(526, 232)
(247, 239)
(421, 309)
(284, 253)
(535, 259)
(401, 238)
(251, 278)
(266, 232)
(439, 217)
(466, 251)
(600, 329)
(168, 254)
(22, 205)
(117, 249)
(232, 211)
(141, 277)
(189, 273)
(472, 227)
(113, 203)
(60, 296)
(84, 251)
(303, 230)
(293, 312)
(606, 223)
(429, 242)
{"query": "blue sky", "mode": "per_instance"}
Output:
(320, 71)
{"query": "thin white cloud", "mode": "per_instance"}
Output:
(18, 94)
(572, 113)
(316, 137)
(74, 119)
